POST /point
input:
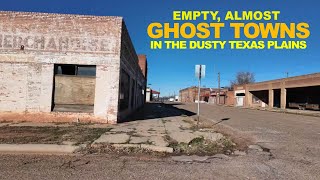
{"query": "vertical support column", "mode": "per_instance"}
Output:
(283, 99)
(47, 85)
(107, 92)
(248, 99)
(271, 98)
(33, 87)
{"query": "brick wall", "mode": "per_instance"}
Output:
(130, 64)
(25, 87)
(230, 98)
(56, 33)
(143, 64)
(191, 94)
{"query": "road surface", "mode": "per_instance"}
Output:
(293, 140)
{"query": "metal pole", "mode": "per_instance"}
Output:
(199, 84)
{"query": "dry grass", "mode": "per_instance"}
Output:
(49, 135)
(242, 140)
(201, 146)
(123, 151)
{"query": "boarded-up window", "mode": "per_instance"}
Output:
(74, 88)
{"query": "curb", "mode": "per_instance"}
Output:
(286, 111)
(40, 148)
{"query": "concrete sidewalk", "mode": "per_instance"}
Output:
(155, 129)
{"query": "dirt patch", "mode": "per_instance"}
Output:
(49, 135)
(51, 117)
(242, 140)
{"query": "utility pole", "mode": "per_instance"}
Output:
(218, 95)
(287, 73)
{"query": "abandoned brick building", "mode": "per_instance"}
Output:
(58, 67)
(190, 94)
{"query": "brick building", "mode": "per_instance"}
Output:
(57, 67)
(190, 94)
(221, 97)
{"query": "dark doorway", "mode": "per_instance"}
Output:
(258, 96)
(304, 98)
(277, 98)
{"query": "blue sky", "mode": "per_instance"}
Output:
(171, 70)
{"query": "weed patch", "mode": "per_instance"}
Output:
(202, 146)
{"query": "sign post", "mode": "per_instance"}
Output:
(200, 73)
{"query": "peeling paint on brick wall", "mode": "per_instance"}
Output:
(58, 33)
(26, 74)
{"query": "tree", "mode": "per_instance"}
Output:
(243, 78)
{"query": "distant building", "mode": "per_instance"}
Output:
(152, 95)
(59, 67)
(221, 97)
(190, 94)
(294, 92)
(148, 94)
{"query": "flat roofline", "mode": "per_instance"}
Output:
(281, 79)
(193, 87)
(59, 14)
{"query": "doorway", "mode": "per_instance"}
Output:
(240, 99)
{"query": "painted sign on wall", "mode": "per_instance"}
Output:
(47, 43)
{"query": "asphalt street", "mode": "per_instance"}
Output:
(293, 140)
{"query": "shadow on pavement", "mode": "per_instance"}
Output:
(158, 110)
(221, 120)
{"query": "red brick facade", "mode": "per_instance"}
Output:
(191, 94)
